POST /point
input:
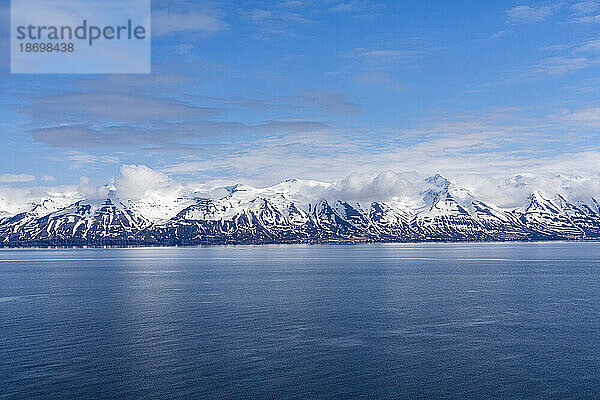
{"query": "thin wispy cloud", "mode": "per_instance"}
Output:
(355, 6)
(590, 19)
(589, 117)
(131, 111)
(288, 21)
(201, 18)
(165, 22)
(563, 65)
(269, 17)
(379, 67)
(590, 46)
(585, 12)
(385, 56)
(585, 7)
(500, 144)
(16, 178)
(570, 58)
(527, 14)
(78, 159)
(291, 4)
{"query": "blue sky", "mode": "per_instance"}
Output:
(260, 91)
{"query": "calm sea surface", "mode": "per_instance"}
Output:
(480, 321)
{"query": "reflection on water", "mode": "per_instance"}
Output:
(510, 321)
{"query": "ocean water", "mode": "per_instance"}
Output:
(414, 321)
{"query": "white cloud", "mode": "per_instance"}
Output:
(78, 159)
(384, 56)
(503, 190)
(363, 7)
(585, 7)
(592, 19)
(276, 21)
(588, 117)
(526, 14)
(512, 191)
(590, 46)
(14, 200)
(16, 178)
(571, 58)
(290, 4)
(370, 187)
(165, 22)
(136, 181)
(499, 143)
(90, 191)
(562, 65)
(584, 10)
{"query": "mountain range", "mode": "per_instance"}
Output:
(299, 211)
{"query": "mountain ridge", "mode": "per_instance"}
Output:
(296, 211)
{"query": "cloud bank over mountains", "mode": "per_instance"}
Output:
(140, 183)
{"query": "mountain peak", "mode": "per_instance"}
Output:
(439, 181)
(517, 181)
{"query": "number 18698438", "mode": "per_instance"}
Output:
(46, 47)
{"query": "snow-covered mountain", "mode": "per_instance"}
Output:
(299, 211)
